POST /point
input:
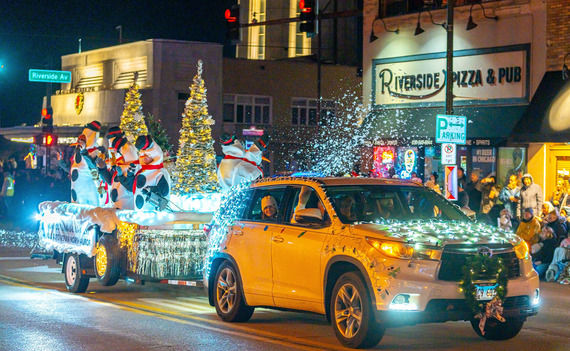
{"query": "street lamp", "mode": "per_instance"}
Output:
(471, 24)
(419, 29)
(373, 37)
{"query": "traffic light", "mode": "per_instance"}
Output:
(308, 15)
(50, 140)
(47, 120)
(232, 24)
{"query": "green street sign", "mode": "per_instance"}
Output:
(451, 129)
(42, 75)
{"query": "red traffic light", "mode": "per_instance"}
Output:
(230, 17)
(306, 6)
(50, 140)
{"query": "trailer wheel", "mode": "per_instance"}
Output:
(74, 280)
(107, 268)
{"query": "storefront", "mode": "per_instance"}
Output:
(491, 88)
(544, 130)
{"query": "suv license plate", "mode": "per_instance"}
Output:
(485, 292)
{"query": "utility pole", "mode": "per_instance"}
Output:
(449, 61)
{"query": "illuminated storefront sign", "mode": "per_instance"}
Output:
(494, 75)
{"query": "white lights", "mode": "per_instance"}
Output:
(405, 302)
(536, 297)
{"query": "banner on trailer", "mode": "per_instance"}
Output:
(67, 233)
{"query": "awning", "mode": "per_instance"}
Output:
(484, 122)
(547, 118)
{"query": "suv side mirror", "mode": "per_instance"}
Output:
(309, 216)
(470, 213)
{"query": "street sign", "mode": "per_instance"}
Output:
(451, 129)
(451, 183)
(448, 154)
(42, 75)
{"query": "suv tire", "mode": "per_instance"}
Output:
(351, 313)
(228, 297)
(497, 330)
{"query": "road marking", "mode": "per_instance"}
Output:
(240, 330)
(181, 305)
(37, 269)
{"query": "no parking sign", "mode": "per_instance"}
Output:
(448, 154)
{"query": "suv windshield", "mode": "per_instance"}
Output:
(371, 203)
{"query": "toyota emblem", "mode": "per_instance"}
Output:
(485, 251)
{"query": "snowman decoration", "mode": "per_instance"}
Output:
(152, 181)
(84, 176)
(239, 164)
(126, 166)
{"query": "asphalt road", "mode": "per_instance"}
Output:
(37, 313)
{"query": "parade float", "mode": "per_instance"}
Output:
(148, 229)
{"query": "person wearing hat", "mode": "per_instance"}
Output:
(151, 177)
(122, 175)
(84, 175)
(529, 228)
(269, 208)
(112, 134)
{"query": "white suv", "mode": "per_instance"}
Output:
(367, 253)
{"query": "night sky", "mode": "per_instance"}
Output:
(35, 33)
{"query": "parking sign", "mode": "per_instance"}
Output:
(451, 129)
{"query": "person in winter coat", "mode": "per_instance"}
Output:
(84, 174)
(489, 194)
(473, 189)
(510, 196)
(531, 194)
(529, 227)
(558, 195)
(152, 179)
(542, 252)
(546, 208)
(558, 225)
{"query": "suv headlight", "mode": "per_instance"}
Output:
(426, 252)
(393, 249)
(521, 249)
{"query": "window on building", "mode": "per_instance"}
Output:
(257, 36)
(304, 112)
(247, 109)
(299, 44)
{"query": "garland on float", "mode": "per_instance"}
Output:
(476, 265)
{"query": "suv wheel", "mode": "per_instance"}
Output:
(229, 301)
(497, 330)
(352, 318)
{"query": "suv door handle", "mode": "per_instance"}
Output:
(237, 232)
(277, 239)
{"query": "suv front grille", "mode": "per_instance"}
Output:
(454, 258)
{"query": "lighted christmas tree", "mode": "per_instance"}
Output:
(158, 133)
(132, 119)
(195, 169)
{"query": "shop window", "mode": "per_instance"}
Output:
(247, 109)
(304, 112)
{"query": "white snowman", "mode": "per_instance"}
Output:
(152, 180)
(239, 164)
(84, 179)
(122, 195)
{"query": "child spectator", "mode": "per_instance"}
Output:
(543, 252)
(505, 220)
(529, 227)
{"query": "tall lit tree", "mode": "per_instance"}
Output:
(195, 169)
(132, 119)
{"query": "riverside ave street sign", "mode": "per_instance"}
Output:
(451, 129)
(42, 75)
